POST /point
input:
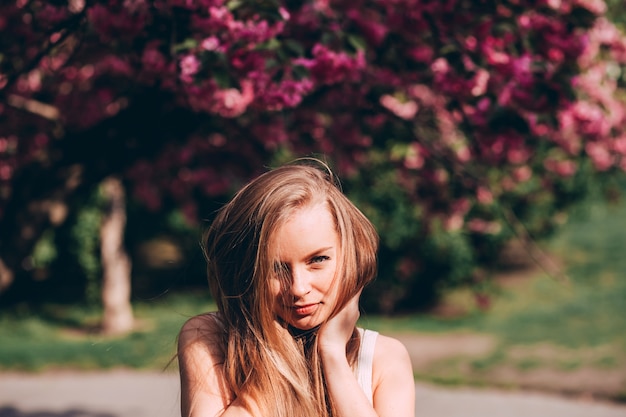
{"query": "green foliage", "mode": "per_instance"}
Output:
(617, 12)
(86, 238)
(45, 251)
(385, 202)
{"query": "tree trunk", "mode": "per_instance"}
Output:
(116, 265)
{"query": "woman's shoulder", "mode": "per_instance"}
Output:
(390, 347)
(391, 357)
(384, 345)
(205, 329)
(393, 383)
(203, 322)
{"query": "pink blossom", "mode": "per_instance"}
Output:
(495, 57)
(441, 176)
(232, 102)
(286, 94)
(440, 66)
(619, 145)
(523, 173)
(554, 4)
(406, 110)
(329, 67)
(484, 226)
(454, 222)
(463, 153)
(284, 13)
(518, 155)
(600, 155)
(504, 97)
(210, 44)
(189, 66)
(414, 158)
(564, 168)
(461, 205)
(591, 119)
(421, 53)
(540, 129)
(555, 55)
(220, 13)
(508, 184)
(484, 196)
(6, 172)
(470, 43)
(481, 78)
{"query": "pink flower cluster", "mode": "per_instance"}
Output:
(329, 67)
(471, 105)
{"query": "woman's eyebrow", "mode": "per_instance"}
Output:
(318, 251)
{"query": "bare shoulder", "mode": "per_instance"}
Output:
(202, 335)
(200, 359)
(203, 325)
(392, 379)
(390, 347)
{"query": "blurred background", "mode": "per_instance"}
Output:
(485, 140)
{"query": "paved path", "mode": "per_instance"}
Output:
(139, 394)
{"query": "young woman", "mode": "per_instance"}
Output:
(287, 259)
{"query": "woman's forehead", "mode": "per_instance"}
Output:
(306, 228)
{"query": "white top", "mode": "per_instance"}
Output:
(365, 360)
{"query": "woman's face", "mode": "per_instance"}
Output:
(308, 248)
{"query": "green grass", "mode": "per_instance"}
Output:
(65, 336)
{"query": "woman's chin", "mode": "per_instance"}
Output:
(305, 324)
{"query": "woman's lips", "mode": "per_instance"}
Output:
(305, 309)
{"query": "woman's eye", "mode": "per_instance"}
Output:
(319, 259)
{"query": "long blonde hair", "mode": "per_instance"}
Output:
(283, 374)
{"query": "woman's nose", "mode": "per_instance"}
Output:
(300, 283)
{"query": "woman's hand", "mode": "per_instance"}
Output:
(334, 335)
(392, 374)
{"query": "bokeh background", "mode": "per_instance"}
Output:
(486, 140)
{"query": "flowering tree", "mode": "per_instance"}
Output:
(449, 120)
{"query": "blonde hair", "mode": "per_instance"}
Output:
(281, 373)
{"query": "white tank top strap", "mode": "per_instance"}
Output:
(365, 362)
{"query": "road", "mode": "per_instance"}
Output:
(123, 393)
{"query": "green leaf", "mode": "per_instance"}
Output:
(185, 45)
(357, 42)
(234, 4)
